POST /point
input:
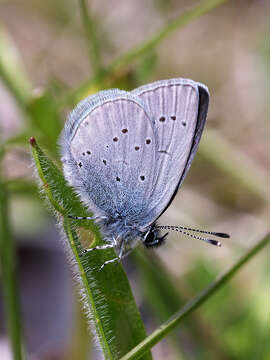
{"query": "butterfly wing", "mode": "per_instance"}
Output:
(178, 108)
(107, 146)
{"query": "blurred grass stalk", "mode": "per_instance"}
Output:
(192, 14)
(9, 278)
(157, 283)
(192, 305)
(90, 32)
(12, 72)
(235, 164)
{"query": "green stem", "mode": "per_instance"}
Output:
(182, 20)
(190, 15)
(12, 73)
(93, 44)
(9, 279)
(169, 325)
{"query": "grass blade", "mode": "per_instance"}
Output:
(93, 44)
(157, 283)
(192, 14)
(106, 294)
(169, 325)
(12, 72)
(9, 278)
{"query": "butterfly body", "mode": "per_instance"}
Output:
(127, 153)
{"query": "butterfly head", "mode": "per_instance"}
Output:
(152, 237)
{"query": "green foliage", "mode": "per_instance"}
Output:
(9, 277)
(106, 294)
(196, 302)
(107, 297)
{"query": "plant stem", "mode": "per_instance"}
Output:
(9, 278)
(93, 44)
(192, 14)
(12, 73)
(169, 325)
(203, 8)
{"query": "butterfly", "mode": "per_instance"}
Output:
(126, 153)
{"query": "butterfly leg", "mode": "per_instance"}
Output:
(87, 217)
(102, 247)
(112, 243)
(118, 258)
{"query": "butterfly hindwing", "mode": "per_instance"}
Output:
(178, 109)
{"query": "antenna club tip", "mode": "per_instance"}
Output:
(214, 242)
(222, 235)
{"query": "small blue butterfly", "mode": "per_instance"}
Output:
(127, 153)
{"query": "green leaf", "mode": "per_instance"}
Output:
(45, 118)
(9, 278)
(107, 296)
(194, 304)
(11, 70)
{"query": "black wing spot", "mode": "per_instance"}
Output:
(184, 123)
(86, 123)
(137, 148)
(142, 177)
(88, 152)
(80, 164)
(117, 178)
(83, 153)
(162, 119)
(115, 139)
(164, 152)
(104, 162)
(148, 141)
(173, 117)
(124, 131)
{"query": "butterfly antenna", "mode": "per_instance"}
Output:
(175, 227)
(182, 230)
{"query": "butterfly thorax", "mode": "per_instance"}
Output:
(118, 229)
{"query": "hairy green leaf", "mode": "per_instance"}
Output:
(106, 294)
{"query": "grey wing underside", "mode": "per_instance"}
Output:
(178, 109)
(107, 146)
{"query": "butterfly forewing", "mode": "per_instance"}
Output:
(178, 109)
(109, 153)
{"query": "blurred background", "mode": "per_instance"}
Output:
(46, 66)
